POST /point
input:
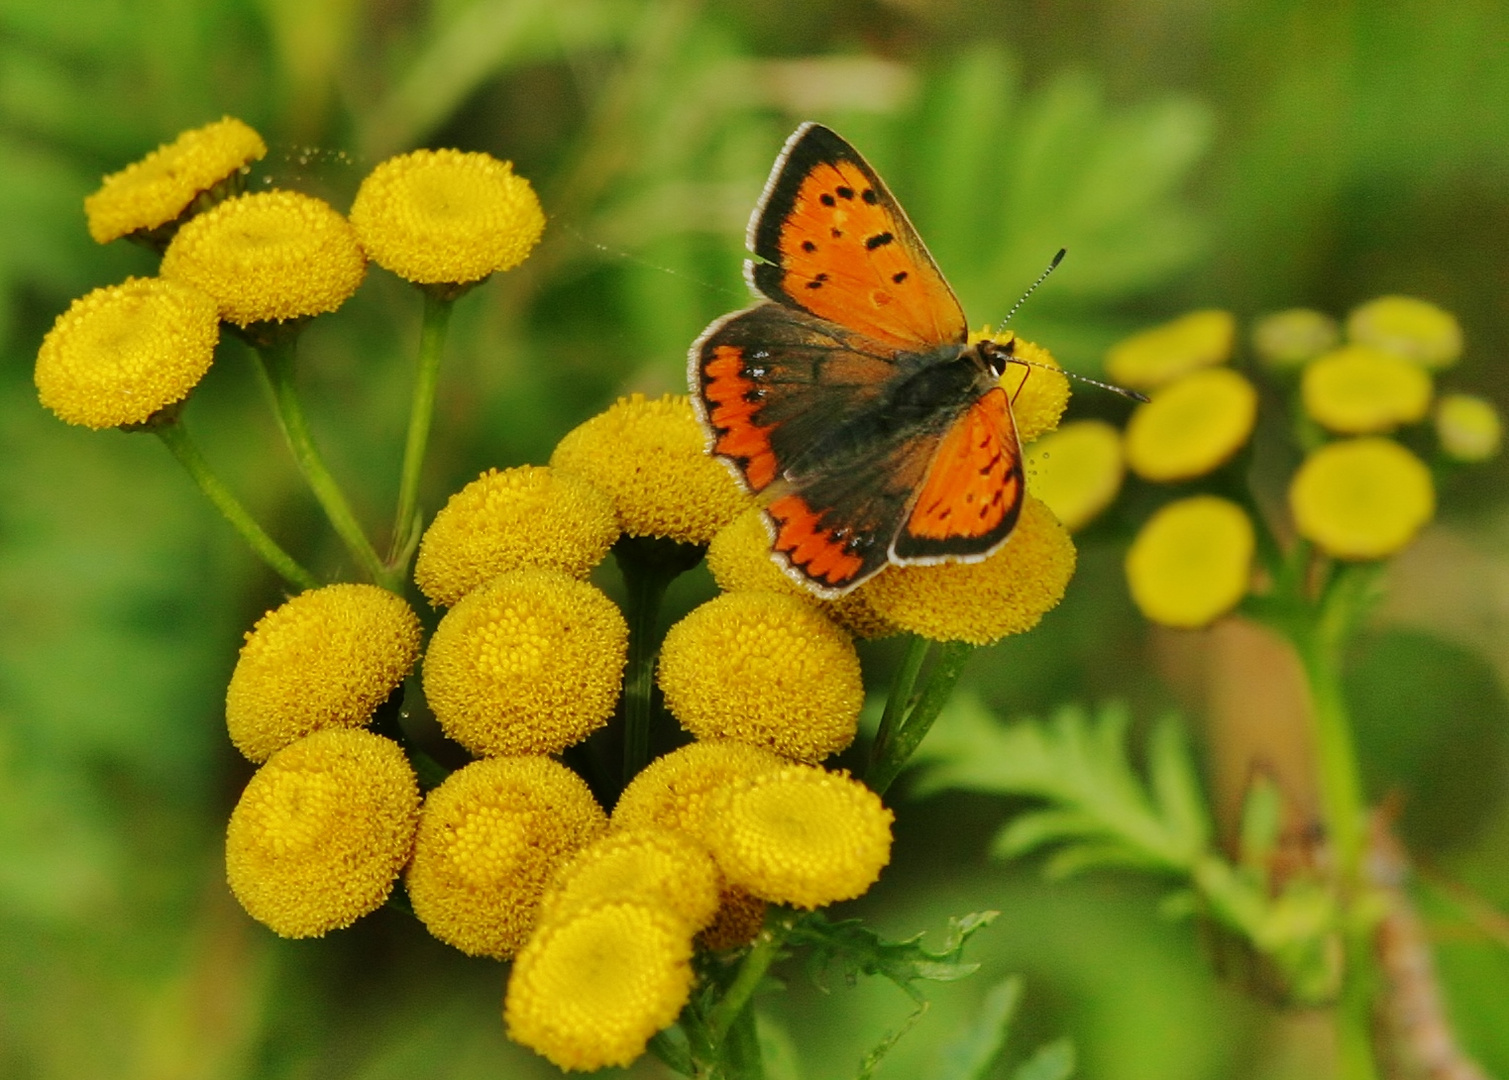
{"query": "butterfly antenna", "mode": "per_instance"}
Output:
(1033, 287)
(1122, 390)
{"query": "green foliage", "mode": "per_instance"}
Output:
(858, 950)
(1099, 812)
(976, 1052)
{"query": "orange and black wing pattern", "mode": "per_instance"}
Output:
(972, 495)
(830, 239)
(771, 383)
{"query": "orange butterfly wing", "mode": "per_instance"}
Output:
(834, 242)
(972, 496)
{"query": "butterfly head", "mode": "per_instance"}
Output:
(996, 354)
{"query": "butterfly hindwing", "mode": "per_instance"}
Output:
(834, 528)
(972, 495)
(831, 240)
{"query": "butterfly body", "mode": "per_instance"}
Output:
(850, 399)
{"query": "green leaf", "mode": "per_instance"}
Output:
(971, 1055)
(1052, 1061)
(1079, 764)
(861, 951)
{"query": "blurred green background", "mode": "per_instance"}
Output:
(1246, 155)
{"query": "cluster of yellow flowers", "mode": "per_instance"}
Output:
(512, 856)
(1358, 494)
(124, 353)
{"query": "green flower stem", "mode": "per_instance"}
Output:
(277, 364)
(947, 667)
(742, 1048)
(177, 440)
(764, 952)
(437, 320)
(649, 564)
(900, 696)
(1321, 641)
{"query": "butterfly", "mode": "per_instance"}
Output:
(849, 398)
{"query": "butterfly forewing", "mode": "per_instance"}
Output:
(832, 241)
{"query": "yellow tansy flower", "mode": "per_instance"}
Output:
(160, 187)
(1287, 339)
(121, 353)
(650, 458)
(1076, 471)
(526, 516)
(739, 559)
(658, 868)
(531, 663)
(801, 835)
(1191, 426)
(1468, 426)
(327, 658)
(985, 601)
(592, 990)
(446, 217)
(675, 791)
(490, 839)
(1038, 396)
(1151, 358)
(1361, 498)
(1192, 561)
(763, 668)
(1412, 328)
(321, 832)
(273, 255)
(1360, 390)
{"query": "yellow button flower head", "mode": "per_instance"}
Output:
(675, 791)
(530, 663)
(527, 516)
(321, 832)
(125, 351)
(801, 835)
(327, 658)
(444, 217)
(766, 669)
(1191, 562)
(740, 561)
(1468, 426)
(985, 601)
(1151, 358)
(592, 990)
(490, 839)
(1360, 390)
(1076, 471)
(1361, 498)
(160, 187)
(650, 458)
(658, 868)
(273, 255)
(1416, 329)
(1038, 396)
(1191, 426)
(1287, 339)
